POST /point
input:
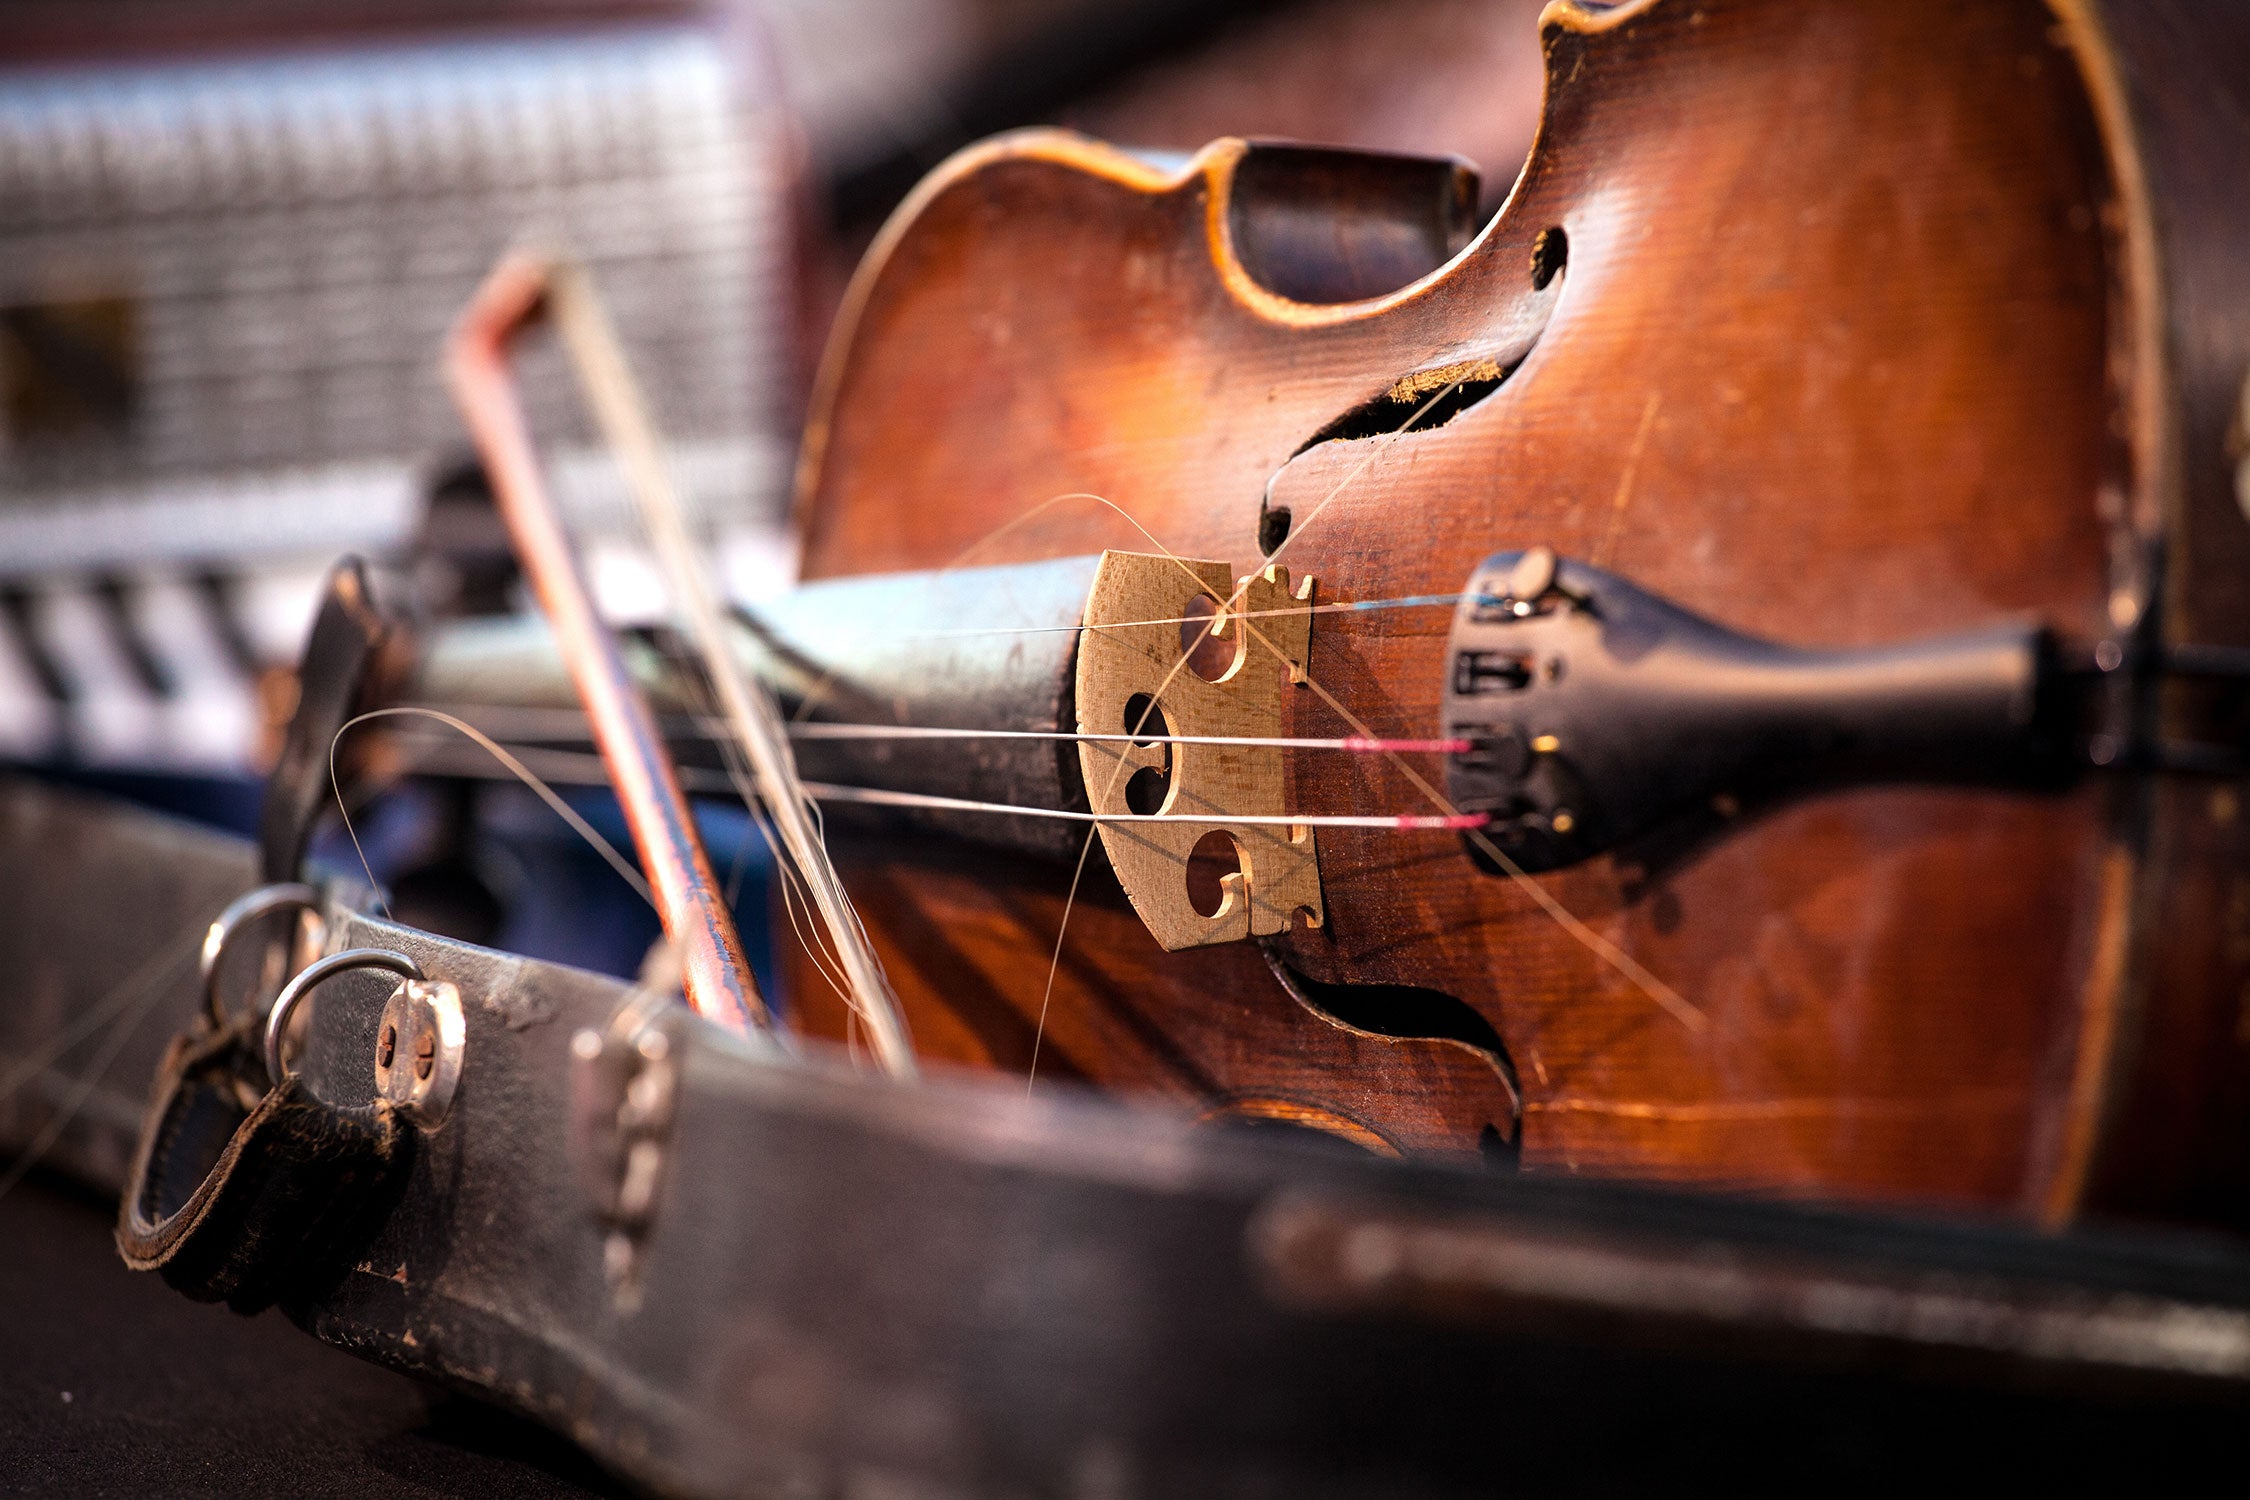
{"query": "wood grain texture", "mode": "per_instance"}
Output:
(1848, 348)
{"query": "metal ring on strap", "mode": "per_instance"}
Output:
(313, 974)
(286, 896)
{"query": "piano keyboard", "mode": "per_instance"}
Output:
(224, 281)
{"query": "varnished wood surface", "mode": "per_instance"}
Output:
(1209, 1028)
(2172, 1135)
(1847, 350)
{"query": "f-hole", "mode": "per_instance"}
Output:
(1420, 402)
(1549, 254)
(1428, 399)
(1432, 397)
(1408, 1012)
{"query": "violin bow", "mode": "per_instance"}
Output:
(716, 977)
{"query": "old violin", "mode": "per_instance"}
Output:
(1731, 671)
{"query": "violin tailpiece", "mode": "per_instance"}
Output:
(1132, 679)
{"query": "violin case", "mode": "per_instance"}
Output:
(725, 1270)
(726, 1275)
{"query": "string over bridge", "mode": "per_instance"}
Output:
(1134, 678)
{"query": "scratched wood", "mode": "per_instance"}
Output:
(1847, 337)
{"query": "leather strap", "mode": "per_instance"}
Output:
(344, 653)
(248, 1198)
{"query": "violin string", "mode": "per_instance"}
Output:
(538, 723)
(1624, 963)
(1207, 623)
(579, 767)
(1187, 651)
(1669, 999)
(1681, 1010)
(1355, 744)
(94, 1017)
(1656, 989)
(822, 685)
(1340, 607)
(122, 1030)
(818, 692)
(753, 719)
(796, 901)
(500, 753)
(1054, 960)
(590, 771)
(961, 558)
(884, 797)
(586, 768)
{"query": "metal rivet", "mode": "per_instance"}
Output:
(428, 1013)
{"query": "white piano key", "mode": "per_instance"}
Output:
(112, 718)
(210, 718)
(30, 721)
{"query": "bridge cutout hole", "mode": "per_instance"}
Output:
(1208, 653)
(1214, 857)
(1145, 791)
(1145, 721)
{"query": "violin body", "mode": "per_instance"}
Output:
(1840, 325)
